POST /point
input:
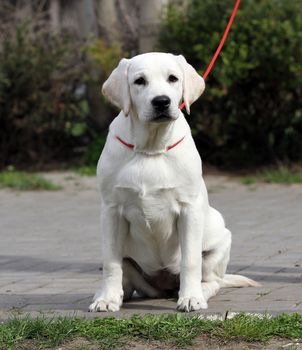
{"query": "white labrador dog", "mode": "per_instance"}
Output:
(159, 233)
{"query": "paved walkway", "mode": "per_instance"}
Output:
(50, 248)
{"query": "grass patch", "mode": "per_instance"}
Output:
(249, 180)
(178, 329)
(87, 170)
(280, 175)
(25, 181)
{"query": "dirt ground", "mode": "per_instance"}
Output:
(201, 343)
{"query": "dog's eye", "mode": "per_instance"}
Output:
(140, 81)
(172, 78)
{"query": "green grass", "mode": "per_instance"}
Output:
(280, 175)
(87, 170)
(249, 180)
(25, 181)
(178, 329)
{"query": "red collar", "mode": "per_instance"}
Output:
(129, 145)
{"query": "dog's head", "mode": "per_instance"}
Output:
(153, 85)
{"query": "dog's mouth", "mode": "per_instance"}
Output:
(161, 118)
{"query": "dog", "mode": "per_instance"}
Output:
(160, 236)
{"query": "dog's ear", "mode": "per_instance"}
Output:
(193, 83)
(116, 87)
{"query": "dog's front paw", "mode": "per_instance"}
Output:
(104, 305)
(108, 302)
(191, 303)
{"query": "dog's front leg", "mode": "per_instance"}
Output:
(190, 229)
(114, 229)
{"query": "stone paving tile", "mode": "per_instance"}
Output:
(50, 250)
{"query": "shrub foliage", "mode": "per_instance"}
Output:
(251, 112)
(41, 109)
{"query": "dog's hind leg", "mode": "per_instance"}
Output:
(216, 258)
(216, 255)
(133, 280)
(214, 266)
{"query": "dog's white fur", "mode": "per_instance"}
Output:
(154, 203)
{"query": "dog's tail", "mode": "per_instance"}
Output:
(238, 281)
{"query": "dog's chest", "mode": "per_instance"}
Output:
(155, 211)
(153, 240)
(149, 192)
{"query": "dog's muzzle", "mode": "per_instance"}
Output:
(161, 103)
(161, 106)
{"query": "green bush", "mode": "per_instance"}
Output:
(92, 154)
(103, 57)
(251, 112)
(94, 150)
(42, 111)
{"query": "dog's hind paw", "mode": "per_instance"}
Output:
(191, 304)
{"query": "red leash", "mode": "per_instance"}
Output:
(225, 34)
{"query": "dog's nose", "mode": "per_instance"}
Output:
(161, 103)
